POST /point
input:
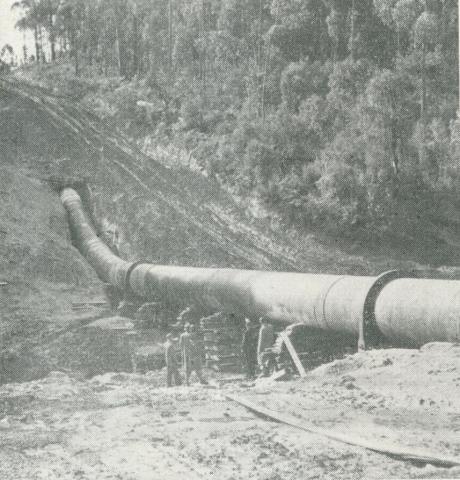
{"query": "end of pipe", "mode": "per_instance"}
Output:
(69, 195)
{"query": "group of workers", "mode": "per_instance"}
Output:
(257, 342)
(191, 347)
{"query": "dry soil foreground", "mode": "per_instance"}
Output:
(127, 426)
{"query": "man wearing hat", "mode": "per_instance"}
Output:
(172, 369)
(266, 341)
(192, 352)
(249, 348)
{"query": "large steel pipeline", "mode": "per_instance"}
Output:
(405, 310)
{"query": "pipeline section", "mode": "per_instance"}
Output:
(406, 311)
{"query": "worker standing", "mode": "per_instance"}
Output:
(249, 348)
(172, 369)
(192, 352)
(184, 343)
(266, 341)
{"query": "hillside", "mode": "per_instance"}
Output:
(318, 136)
(423, 223)
(164, 215)
(338, 117)
(74, 420)
(168, 215)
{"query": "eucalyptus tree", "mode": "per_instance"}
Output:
(46, 12)
(71, 14)
(30, 21)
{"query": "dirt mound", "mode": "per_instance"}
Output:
(427, 379)
(389, 398)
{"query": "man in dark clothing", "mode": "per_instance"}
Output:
(172, 369)
(265, 345)
(249, 348)
(192, 353)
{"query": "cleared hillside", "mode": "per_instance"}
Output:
(169, 216)
(165, 216)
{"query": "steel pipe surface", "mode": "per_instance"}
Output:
(417, 311)
(323, 301)
(404, 310)
(109, 267)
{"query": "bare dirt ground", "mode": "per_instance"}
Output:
(128, 426)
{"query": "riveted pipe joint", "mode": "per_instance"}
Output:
(370, 335)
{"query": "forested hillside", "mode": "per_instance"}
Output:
(338, 115)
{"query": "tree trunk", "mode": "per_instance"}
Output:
(118, 50)
(352, 31)
(37, 44)
(423, 96)
(40, 41)
(324, 41)
(264, 80)
(394, 146)
(99, 58)
(136, 53)
(52, 37)
(24, 48)
(76, 58)
(266, 68)
(170, 38)
(204, 49)
(77, 62)
(259, 39)
(120, 43)
(423, 105)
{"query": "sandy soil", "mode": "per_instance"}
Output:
(128, 426)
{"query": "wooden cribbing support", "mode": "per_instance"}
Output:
(393, 451)
(293, 354)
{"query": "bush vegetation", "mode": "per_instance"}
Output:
(339, 115)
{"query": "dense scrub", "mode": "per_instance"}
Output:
(339, 115)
